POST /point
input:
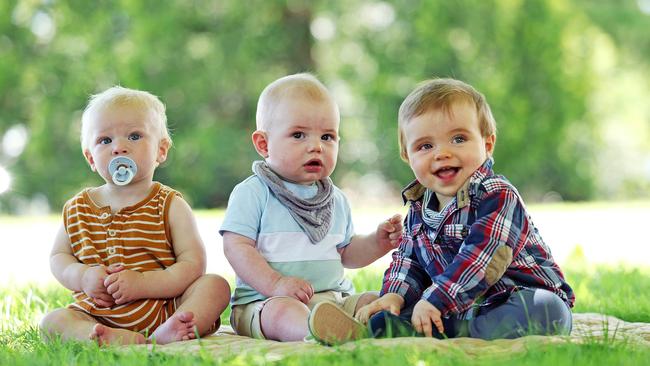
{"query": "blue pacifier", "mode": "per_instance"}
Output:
(122, 170)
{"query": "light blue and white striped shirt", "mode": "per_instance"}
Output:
(254, 212)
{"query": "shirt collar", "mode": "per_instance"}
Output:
(414, 190)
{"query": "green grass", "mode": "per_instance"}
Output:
(624, 293)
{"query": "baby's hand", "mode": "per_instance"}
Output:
(124, 285)
(390, 302)
(425, 314)
(92, 284)
(389, 232)
(293, 287)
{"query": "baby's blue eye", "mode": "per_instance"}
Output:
(297, 135)
(425, 147)
(458, 139)
(328, 137)
(135, 136)
(105, 140)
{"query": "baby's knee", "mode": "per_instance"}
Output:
(220, 289)
(284, 318)
(284, 307)
(211, 285)
(547, 302)
(53, 321)
(53, 317)
(217, 282)
(551, 312)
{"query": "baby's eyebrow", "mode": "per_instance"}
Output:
(459, 129)
(418, 141)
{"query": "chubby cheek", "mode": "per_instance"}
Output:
(280, 164)
(332, 162)
(421, 171)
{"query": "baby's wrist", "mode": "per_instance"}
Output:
(392, 296)
(274, 281)
(82, 275)
(83, 270)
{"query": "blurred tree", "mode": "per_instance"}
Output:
(626, 21)
(515, 52)
(209, 60)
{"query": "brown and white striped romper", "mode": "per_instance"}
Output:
(136, 237)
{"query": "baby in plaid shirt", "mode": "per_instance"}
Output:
(470, 262)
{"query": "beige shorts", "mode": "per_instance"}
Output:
(245, 319)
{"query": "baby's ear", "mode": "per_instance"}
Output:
(90, 160)
(163, 149)
(261, 143)
(489, 144)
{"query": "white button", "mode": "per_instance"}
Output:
(104, 215)
(111, 232)
(111, 250)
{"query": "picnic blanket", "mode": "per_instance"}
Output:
(587, 327)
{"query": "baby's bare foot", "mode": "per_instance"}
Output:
(104, 335)
(179, 327)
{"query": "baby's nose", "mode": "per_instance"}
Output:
(316, 145)
(119, 149)
(442, 154)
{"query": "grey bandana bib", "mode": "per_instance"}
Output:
(314, 215)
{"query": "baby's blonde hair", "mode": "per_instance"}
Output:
(442, 94)
(118, 96)
(303, 85)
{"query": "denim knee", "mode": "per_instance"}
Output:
(526, 312)
(550, 313)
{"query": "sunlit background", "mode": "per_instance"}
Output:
(568, 82)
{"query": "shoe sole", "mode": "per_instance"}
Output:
(329, 324)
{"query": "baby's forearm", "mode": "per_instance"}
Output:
(68, 270)
(361, 251)
(171, 282)
(251, 267)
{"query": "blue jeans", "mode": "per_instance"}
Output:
(527, 311)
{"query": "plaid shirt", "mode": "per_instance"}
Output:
(483, 246)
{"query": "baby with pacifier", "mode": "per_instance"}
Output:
(129, 249)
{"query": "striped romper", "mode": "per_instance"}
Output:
(136, 237)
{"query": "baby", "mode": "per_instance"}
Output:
(288, 230)
(470, 263)
(130, 249)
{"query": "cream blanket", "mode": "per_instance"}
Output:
(588, 327)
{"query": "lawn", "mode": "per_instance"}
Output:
(621, 292)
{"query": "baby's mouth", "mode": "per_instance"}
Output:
(314, 163)
(446, 172)
(314, 166)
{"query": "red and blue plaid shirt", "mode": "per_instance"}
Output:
(448, 264)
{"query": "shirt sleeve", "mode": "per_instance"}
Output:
(349, 226)
(244, 211)
(405, 276)
(499, 230)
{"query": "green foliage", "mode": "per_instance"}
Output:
(514, 52)
(209, 60)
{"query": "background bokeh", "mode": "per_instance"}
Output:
(567, 82)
